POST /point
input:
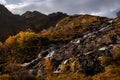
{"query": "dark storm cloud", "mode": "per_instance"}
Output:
(95, 7)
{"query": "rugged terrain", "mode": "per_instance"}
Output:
(99, 40)
(81, 47)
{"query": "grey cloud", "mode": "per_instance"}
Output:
(13, 1)
(86, 6)
(100, 7)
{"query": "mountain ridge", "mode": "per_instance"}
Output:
(11, 24)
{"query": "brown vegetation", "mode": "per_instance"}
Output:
(70, 27)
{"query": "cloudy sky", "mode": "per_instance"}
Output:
(95, 7)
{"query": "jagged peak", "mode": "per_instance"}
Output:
(30, 14)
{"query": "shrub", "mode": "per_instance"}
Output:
(116, 56)
(1, 44)
(23, 46)
(70, 76)
(5, 77)
(16, 72)
(70, 27)
(63, 67)
(106, 60)
(11, 67)
(110, 73)
(75, 65)
(112, 66)
(21, 75)
(48, 66)
(20, 38)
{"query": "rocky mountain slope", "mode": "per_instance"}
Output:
(81, 54)
(81, 47)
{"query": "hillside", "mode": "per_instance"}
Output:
(11, 24)
(77, 47)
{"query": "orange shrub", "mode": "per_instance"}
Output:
(110, 73)
(48, 66)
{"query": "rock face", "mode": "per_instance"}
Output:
(80, 54)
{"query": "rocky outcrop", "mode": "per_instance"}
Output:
(81, 54)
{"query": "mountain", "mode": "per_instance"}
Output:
(83, 45)
(11, 24)
(34, 14)
(76, 47)
(38, 21)
(4, 11)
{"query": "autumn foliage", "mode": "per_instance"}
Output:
(70, 27)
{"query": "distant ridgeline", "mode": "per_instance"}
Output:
(10, 24)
